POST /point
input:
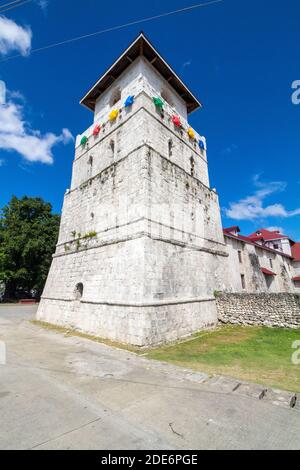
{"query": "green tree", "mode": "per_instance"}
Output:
(28, 235)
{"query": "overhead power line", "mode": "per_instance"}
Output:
(19, 3)
(115, 28)
(2, 5)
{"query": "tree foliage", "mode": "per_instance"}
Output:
(28, 235)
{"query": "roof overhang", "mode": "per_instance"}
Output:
(267, 272)
(140, 47)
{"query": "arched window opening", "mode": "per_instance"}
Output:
(115, 97)
(78, 291)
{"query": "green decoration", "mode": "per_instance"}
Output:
(84, 140)
(158, 103)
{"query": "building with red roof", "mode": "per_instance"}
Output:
(264, 261)
(272, 239)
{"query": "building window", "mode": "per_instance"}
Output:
(192, 161)
(240, 256)
(112, 147)
(269, 280)
(276, 246)
(271, 263)
(243, 281)
(78, 291)
(170, 146)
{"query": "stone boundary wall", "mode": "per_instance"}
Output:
(273, 310)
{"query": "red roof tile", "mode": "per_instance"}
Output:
(297, 278)
(267, 235)
(296, 251)
(244, 239)
(235, 228)
(267, 272)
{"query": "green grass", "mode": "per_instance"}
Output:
(256, 354)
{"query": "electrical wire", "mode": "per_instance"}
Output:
(12, 7)
(115, 28)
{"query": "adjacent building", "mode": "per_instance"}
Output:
(264, 261)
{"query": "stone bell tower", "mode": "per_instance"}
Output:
(140, 243)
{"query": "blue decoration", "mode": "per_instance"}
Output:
(129, 101)
(201, 145)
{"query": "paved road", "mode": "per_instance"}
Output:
(60, 392)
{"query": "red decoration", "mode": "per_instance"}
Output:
(176, 120)
(97, 129)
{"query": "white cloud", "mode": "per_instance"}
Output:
(252, 207)
(275, 229)
(17, 135)
(2, 92)
(186, 64)
(14, 37)
(43, 4)
(16, 95)
(229, 149)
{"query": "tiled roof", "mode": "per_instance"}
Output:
(267, 235)
(251, 241)
(296, 251)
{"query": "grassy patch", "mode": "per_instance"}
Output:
(257, 354)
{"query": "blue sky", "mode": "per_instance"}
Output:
(238, 57)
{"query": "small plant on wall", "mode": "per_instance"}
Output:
(88, 235)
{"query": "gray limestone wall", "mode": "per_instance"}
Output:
(140, 324)
(273, 310)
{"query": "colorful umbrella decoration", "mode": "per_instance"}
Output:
(129, 101)
(176, 120)
(158, 103)
(97, 129)
(201, 145)
(191, 133)
(113, 115)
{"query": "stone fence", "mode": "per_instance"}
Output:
(273, 310)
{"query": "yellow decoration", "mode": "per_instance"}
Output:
(113, 114)
(191, 133)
